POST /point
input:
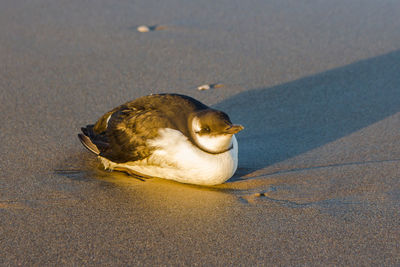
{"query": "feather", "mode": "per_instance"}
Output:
(86, 142)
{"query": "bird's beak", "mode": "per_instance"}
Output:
(234, 129)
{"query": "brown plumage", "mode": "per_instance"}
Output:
(121, 134)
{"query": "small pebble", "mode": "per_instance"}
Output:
(204, 87)
(143, 28)
(210, 86)
(217, 85)
(159, 27)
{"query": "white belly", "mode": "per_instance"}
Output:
(176, 158)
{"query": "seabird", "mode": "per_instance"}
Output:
(169, 136)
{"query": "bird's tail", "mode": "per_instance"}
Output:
(86, 142)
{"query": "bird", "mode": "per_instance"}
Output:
(169, 136)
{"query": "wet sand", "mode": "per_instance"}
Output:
(316, 85)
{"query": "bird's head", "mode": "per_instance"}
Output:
(212, 130)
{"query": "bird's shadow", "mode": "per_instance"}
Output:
(292, 118)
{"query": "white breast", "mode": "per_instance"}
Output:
(214, 143)
(176, 158)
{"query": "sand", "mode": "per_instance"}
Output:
(315, 83)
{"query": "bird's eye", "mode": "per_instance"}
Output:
(206, 129)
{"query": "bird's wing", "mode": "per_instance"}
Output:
(127, 131)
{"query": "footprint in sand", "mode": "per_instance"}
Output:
(252, 198)
(10, 205)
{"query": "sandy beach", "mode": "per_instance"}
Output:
(315, 83)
